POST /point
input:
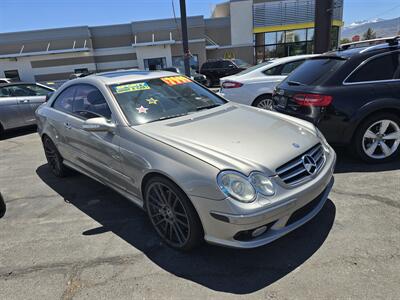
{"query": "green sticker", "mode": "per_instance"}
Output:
(132, 87)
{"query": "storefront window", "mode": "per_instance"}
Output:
(296, 36)
(270, 38)
(177, 61)
(310, 34)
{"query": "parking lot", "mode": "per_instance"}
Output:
(74, 238)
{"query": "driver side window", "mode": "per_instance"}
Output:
(89, 102)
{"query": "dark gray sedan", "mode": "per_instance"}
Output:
(18, 102)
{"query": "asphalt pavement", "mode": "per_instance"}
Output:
(74, 238)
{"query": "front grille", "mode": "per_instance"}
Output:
(294, 171)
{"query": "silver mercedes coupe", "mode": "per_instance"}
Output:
(201, 167)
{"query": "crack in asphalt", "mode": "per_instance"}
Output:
(384, 200)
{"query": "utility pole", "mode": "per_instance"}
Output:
(185, 42)
(323, 25)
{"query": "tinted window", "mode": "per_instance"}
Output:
(315, 71)
(37, 90)
(225, 64)
(380, 68)
(290, 67)
(89, 103)
(273, 71)
(65, 99)
(5, 92)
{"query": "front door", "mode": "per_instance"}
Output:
(10, 114)
(97, 153)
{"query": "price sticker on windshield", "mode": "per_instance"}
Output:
(132, 87)
(175, 80)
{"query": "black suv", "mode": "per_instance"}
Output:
(218, 68)
(352, 95)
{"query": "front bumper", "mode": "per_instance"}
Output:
(223, 228)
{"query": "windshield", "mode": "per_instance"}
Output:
(315, 71)
(252, 68)
(162, 98)
(241, 63)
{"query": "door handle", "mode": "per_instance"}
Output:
(24, 101)
(67, 125)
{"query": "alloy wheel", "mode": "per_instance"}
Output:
(265, 104)
(381, 139)
(51, 155)
(168, 214)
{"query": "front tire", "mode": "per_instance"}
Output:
(54, 158)
(377, 139)
(264, 102)
(172, 214)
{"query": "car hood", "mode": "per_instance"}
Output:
(236, 137)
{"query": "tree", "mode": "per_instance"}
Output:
(369, 34)
(344, 41)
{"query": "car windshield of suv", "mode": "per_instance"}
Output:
(240, 63)
(162, 98)
(314, 71)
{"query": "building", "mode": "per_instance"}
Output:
(253, 30)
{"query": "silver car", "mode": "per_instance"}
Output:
(201, 167)
(18, 102)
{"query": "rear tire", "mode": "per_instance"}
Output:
(172, 214)
(377, 139)
(54, 158)
(263, 101)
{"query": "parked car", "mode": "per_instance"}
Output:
(18, 102)
(214, 69)
(191, 159)
(200, 78)
(352, 95)
(255, 85)
(3, 207)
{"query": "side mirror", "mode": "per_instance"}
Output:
(99, 124)
(48, 96)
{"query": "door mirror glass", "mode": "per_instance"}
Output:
(98, 124)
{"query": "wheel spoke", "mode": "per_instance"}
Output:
(372, 148)
(182, 223)
(370, 135)
(384, 126)
(385, 149)
(180, 214)
(177, 234)
(392, 136)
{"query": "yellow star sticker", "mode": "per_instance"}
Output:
(152, 100)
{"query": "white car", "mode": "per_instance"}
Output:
(255, 85)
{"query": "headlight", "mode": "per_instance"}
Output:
(262, 184)
(237, 186)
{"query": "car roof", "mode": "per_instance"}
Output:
(16, 83)
(362, 51)
(122, 76)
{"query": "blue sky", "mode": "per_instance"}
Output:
(19, 15)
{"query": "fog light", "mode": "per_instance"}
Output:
(259, 231)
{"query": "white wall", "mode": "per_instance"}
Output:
(241, 22)
(22, 64)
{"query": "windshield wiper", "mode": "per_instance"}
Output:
(168, 117)
(295, 83)
(207, 106)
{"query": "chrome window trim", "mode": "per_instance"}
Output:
(365, 62)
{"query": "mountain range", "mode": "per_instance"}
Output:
(383, 28)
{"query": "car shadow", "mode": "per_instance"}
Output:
(12, 133)
(346, 163)
(221, 269)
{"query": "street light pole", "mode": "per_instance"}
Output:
(185, 42)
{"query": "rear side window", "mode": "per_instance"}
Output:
(65, 100)
(5, 92)
(380, 68)
(290, 67)
(315, 71)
